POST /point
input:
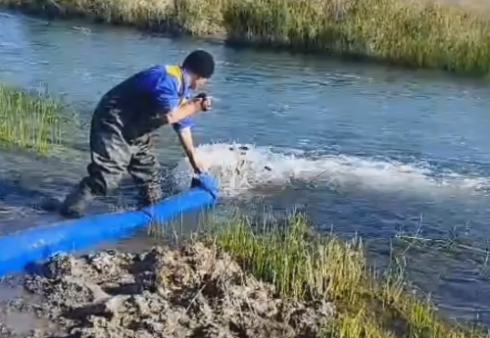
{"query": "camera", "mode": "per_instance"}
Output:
(204, 97)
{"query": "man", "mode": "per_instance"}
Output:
(123, 126)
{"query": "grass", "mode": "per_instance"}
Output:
(452, 247)
(414, 33)
(304, 265)
(28, 120)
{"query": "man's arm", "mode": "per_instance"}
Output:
(179, 116)
(185, 138)
(169, 102)
(183, 112)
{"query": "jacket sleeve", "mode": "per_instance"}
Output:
(168, 99)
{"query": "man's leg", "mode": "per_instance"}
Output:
(145, 171)
(110, 155)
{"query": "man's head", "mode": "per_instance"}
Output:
(200, 66)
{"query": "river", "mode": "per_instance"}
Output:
(362, 149)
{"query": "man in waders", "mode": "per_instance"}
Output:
(123, 126)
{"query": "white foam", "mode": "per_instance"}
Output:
(240, 171)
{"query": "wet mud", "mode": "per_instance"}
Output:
(189, 291)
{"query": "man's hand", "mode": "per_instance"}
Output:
(199, 103)
(206, 182)
(204, 101)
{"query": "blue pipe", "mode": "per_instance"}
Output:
(20, 249)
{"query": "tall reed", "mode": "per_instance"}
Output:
(29, 120)
(415, 33)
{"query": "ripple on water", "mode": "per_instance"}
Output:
(367, 148)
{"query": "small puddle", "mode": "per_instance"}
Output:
(23, 323)
(8, 293)
(19, 322)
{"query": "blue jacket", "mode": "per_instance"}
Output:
(144, 97)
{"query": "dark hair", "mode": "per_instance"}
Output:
(200, 63)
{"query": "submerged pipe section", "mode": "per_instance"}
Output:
(20, 249)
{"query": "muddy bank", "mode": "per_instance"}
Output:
(192, 291)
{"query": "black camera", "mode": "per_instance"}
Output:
(204, 97)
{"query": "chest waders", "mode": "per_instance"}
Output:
(112, 155)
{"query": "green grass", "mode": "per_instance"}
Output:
(303, 265)
(28, 120)
(416, 33)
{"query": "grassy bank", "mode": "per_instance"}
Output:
(28, 120)
(414, 33)
(305, 266)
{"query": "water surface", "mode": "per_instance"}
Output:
(363, 149)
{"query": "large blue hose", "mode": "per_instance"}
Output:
(20, 249)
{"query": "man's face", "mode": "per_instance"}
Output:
(198, 83)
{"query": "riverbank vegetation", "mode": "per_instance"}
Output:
(414, 33)
(29, 120)
(305, 266)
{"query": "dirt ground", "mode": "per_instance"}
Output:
(192, 291)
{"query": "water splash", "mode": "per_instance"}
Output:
(241, 168)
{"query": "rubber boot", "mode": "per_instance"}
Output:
(149, 195)
(75, 203)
